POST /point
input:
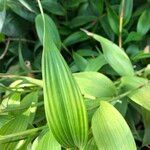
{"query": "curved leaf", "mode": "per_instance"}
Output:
(52, 30)
(143, 25)
(115, 56)
(110, 130)
(64, 106)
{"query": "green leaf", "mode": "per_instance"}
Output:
(141, 95)
(113, 20)
(20, 10)
(127, 10)
(143, 25)
(4, 119)
(96, 6)
(110, 130)
(133, 36)
(95, 84)
(115, 56)
(64, 106)
(146, 120)
(53, 32)
(53, 7)
(81, 20)
(91, 145)
(95, 64)
(74, 38)
(15, 125)
(80, 61)
(46, 142)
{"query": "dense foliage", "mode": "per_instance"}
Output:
(76, 76)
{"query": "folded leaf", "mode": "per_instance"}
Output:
(64, 105)
(110, 130)
(53, 32)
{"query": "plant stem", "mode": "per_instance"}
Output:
(20, 135)
(121, 23)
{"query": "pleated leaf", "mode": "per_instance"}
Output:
(115, 56)
(64, 106)
(110, 130)
(95, 84)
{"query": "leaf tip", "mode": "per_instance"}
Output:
(87, 32)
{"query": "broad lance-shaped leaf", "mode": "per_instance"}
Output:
(141, 95)
(95, 84)
(64, 106)
(115, 56)
(110, 130)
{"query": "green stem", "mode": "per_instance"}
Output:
(121, 23)
(20, 135)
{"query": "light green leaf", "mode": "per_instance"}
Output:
(141, 95)
(143, 25)
(46, 142)
(64, 106)
(115, 56)
(95, 84)
(110, 130)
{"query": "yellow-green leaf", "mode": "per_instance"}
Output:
(110, 130)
